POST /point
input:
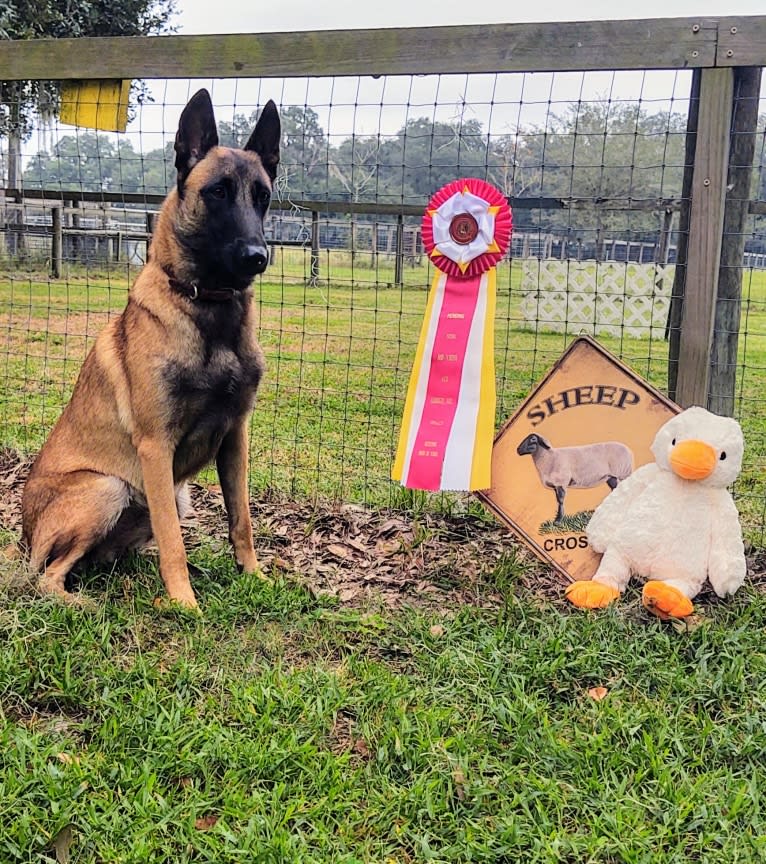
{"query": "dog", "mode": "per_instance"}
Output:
(170, 383)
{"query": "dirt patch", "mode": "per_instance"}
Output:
(357, 554)
(57, 322)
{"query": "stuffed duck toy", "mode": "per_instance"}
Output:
(673, 521)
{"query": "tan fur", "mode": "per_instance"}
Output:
(168, 387)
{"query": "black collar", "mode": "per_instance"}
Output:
(194, 292)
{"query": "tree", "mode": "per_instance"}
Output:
(604, 150)
(424, 155)
(22, 101)
(353, 168)
(303, 151)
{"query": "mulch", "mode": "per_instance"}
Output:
(360, 555)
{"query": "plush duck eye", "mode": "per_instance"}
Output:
(673, 442)
(723, 455)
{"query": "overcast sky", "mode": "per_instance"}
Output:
(237, 16)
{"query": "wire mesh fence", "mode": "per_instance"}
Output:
(593, 163)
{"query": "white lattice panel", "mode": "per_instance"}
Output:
(603, 299)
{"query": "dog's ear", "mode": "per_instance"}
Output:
(197, 133)
(265, 138)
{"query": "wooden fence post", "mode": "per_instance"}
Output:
(399, 259)
(149, 230)
(723, 357)
(711, 161)
(314, 278)
(673, 327)
(57, 243)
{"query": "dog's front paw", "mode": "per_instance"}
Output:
(183, 597)
(170, 604)
(251, 565)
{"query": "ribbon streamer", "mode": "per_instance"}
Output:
(448, 425)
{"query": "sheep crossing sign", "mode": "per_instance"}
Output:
(588, 425)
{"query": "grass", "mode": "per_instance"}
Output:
(284, 728)
(568, 524)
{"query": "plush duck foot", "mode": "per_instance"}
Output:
(665, 601)
(587, 594)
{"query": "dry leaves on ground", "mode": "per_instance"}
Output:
(356, 554)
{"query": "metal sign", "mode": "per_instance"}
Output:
(586, 426)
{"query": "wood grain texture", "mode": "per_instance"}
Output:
(723, 352)
(670, 43)
(742, 41)
(705, 229)
(676, 310)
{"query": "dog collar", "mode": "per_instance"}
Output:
(194, 292)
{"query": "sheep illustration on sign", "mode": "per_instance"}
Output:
(583, 467)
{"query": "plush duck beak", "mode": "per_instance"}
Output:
(693, 460)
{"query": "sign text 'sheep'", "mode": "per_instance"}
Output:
(590, 394)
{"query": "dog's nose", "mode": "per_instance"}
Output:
(254, 258)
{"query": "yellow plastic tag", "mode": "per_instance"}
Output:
(99, 104)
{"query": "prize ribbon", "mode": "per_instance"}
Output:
(449, 413)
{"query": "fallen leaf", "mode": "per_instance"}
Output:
(597, 693)
(12, 552)
(436, 630)
(67, 759)
(205, 822)
(62, 843)
(688, 624)
(337, 550)
(361, 748)
(391, 526)
(458, 778)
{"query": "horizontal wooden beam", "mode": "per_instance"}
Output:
(742, 41)
(657, 43)
(321, 206)
(54, 196)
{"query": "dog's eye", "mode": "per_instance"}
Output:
(262, 196)
(218, 191)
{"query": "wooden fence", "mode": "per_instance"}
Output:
(726, 54)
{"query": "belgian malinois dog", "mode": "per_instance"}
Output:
(169, 385)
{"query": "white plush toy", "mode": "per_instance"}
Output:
(673, 521)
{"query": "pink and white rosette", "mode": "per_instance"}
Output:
(448, 425)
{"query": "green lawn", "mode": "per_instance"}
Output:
(284, 728)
